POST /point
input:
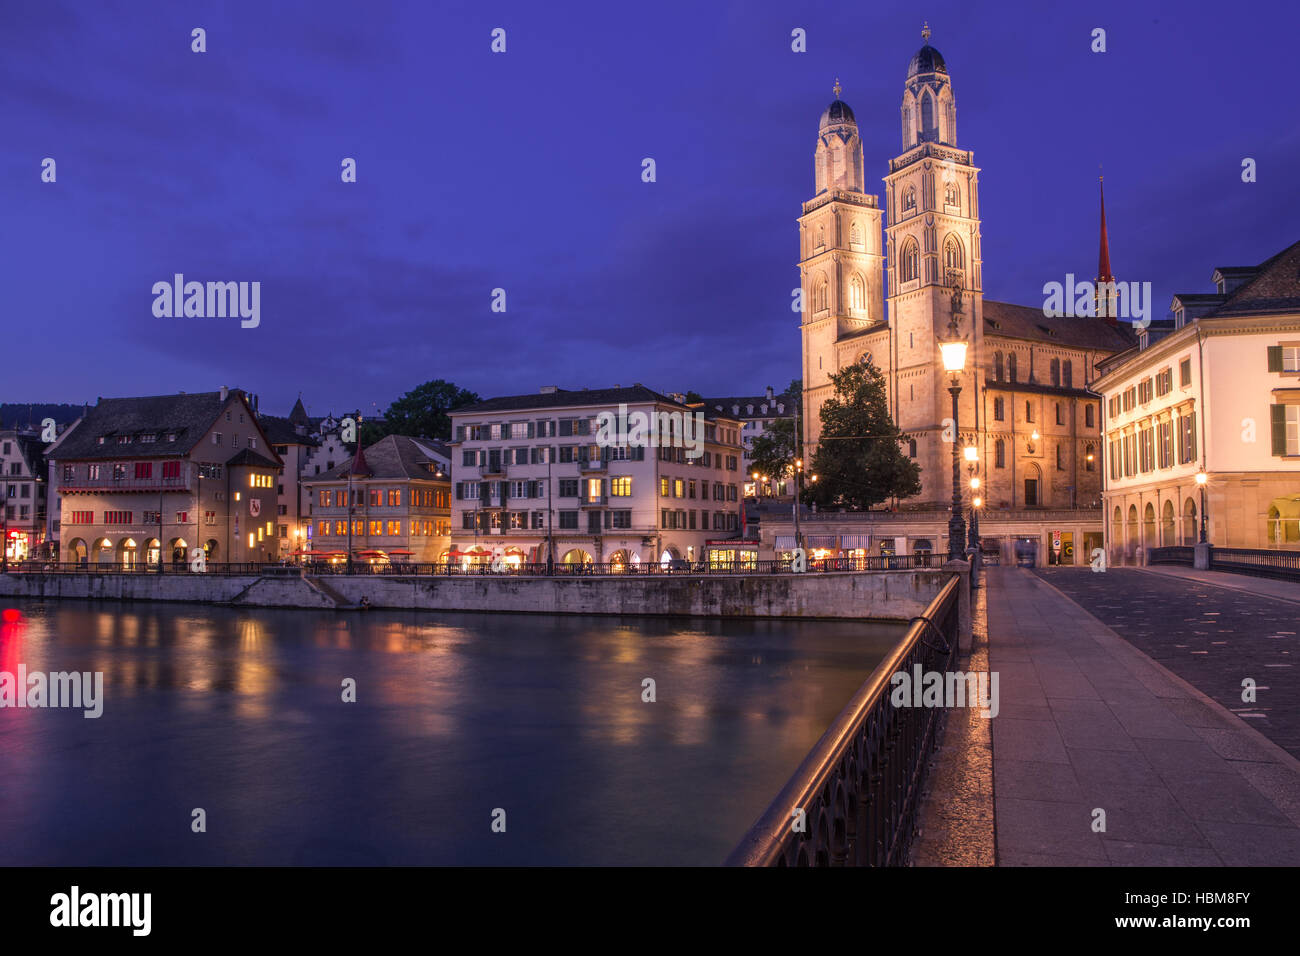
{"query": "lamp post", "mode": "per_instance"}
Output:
(953, 351)
(1202, 479)
(972, 458)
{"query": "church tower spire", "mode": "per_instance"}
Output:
(841, 259)
(933, 265)
(1104, 294)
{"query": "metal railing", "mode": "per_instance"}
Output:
(1284, 565)
(859, 786)
(600, 569)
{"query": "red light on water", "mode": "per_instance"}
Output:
(12, 615)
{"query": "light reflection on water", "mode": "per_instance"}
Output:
(240, 712)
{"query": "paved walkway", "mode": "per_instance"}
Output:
(1088, 723)
(1265, 587)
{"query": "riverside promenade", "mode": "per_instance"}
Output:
(1090, 725)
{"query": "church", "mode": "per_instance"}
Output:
(886, 277)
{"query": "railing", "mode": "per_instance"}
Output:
(986, 514)
(444, 569)
(109, 484)
(1259, 562)
(1170, 555)
(859, 786)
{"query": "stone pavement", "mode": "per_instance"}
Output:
(1087, 722)
(1265, 587)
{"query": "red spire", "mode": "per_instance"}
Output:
(1103, 255)
(359, 467)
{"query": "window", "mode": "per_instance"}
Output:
(568, 488)
(1164, 382)
(1185, 373)
(1067, 373)
(1031, 492)
(1056, 372)
(394, 527)
(1011, 367)
(569, 520)
(1165, 444)
(911, 261)
(1089, 458)
(950, 196)
(911, 448)
(151, 517)
(952, 255)
(182, 517)
(1089, 416)
(909, 199)
(997, 366)
(1059, 419)
(999, 409)
(1285, 421)
(622, 487)
(394, 497)
(1284, 358)
(216, 438)
(1060, 458)
(210, 518)
(1187, 438)
(999, 454)
(1029, 412)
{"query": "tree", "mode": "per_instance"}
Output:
(774, 452)
(859, 462)
(693, 398)
(422, 412)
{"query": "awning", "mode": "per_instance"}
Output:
(850, 542)
(821, 540)
(784, 542)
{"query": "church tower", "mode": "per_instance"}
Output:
(934, 271)
(841, 262)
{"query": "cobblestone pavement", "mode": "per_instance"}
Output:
(1212, 637)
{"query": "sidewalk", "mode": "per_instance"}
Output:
(1090, 723)
(1264, 587)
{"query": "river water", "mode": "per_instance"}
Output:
(239, 713)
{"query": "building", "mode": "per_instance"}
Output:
(23, 491)
(294, 443)
(397, 495)
(757, 414)
(1218, 394)
(1025, 401)
(147, 479)
(534, 477)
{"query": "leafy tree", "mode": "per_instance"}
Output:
(859, 462)
(422, 412)
(693, 398)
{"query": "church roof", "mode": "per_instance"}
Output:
(927, 60)
(838, 114)
(1028, 322)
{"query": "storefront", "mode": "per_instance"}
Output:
(736, 555)
(17, 546)
(1060, 547)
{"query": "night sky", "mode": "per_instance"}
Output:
(523, 171)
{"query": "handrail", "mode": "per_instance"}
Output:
(855, 763)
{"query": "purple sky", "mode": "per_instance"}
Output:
(522, 170)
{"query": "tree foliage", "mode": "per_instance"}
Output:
(423, 412)
(774, 452)
(859, 461)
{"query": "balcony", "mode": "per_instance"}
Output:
(109, 484)
(594, 501)
(492, 468)
(590, 465)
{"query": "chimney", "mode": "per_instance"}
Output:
(770, 396)
(225, 393)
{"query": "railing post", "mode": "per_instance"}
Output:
(963, 569)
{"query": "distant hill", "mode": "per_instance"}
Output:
(14, 414)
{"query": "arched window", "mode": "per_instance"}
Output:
(907, 125)
(1056, 372)
(950, 196)
(952, 254)
(1011, 367)
(911, 264)
(999, 454)
(911, 448)
(997, 366)
(909, 199)
(1189, 521)
(819, 300)
(1067, 375)
(857, 299)
(927, 117)
(1089, 458)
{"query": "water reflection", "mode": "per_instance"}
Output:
(241, 712)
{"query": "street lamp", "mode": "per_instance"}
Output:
(1201, 479)
(798, 493)
(953, 351)
(972, 459)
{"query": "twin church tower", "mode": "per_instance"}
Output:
(928, 268)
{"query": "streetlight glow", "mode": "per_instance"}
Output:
(954, 355)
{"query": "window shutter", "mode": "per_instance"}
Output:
(532, 430)
(1275, 359)
(1277, 418)
(460, 491)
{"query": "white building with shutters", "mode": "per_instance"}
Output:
(1217, 392)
